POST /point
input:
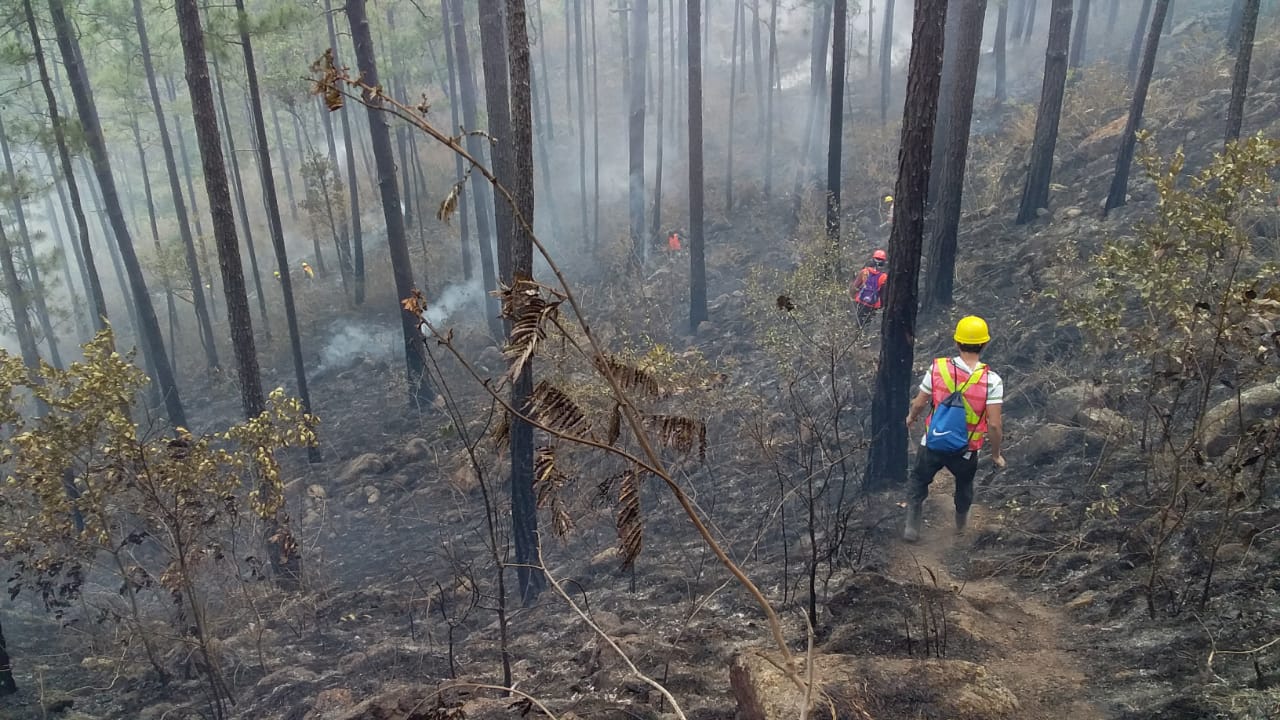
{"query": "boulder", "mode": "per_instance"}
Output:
(329, 703)
(1103, 421)
(413, 451)
(1222, 424)
(1051, 442)
(1066, 404)
(1104, 140)
(362, 467)
(854, 688)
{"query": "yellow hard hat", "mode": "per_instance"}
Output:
(972, 330)
(888, 198)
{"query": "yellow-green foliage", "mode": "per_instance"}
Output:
(82, 478)
(1189, 280)
(802, 314)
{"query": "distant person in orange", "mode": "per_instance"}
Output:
(673, 242)
(867, 288)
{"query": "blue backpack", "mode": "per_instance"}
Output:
(948, 431)
(869, 295)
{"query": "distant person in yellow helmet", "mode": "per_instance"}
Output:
(307, 271)
(886, 211)
(966, 398)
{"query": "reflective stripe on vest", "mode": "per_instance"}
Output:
(944, 383)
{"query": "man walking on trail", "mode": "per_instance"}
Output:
(867, 288)
(966, 398)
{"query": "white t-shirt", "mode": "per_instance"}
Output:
(995, 386)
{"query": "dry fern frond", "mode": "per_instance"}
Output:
(680, 433)
(548, 479)
(629, 377)
(449, 205)
(561, 520)
(326, 85)
(630, 524)
(529, 314)
(502, 431)
(556, 410)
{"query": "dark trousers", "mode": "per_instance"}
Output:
(929, 462)
(865, 313)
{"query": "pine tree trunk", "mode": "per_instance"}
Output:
(887, 464)
(88, 113)
(757, 62)
(835, 137)
(286, 564)
(476, 148)
(195, 207)
(455, 102)
(546, 82)
(66, 248)
(1018, 9)
(205, 120)
(768, 110)
(658, 140)
(175, 190)
(171, 307)
(1113, 18)
(237, 183)
(947, 203)
(1080, 43)
(493, 52)
(284, 163)
(73, 239)
(17, 296)
(524, 509)
(421, 393)
(733, 101)
(946, 103)
(98, 304)
(1118, 195)
(886, 61)
(1030, 26)
(1000, 52)
(817, 87)
(353, 187)
(7, 684)
(639, 41)
(29, 256)
(1168, 21)
(1240, 78)
(337, 227)
(117, 267)
(582, 117)
(595, 132)
(1135, 50)
(1036, 193)
(1235, 25)
(697, 250)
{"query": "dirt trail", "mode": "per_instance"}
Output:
(1035, 652)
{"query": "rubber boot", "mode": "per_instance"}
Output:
(962, 520)
(911, 532)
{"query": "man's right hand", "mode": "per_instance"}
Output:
(998, 459)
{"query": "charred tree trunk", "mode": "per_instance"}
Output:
(582, 118)
(149, 329)
(205, 119)
(946, 102)
(546, 82)
(353, 187)
(733, 100)
(1081, 40)
(66, 250)
(237, 182)
(1018, 8)
(524, 507)
(887, 464)
(886, 61)
(195, 208)
(475, 146)
(947, 203)
(658, 140)
(1135, 50)
(1118, 195)
(1000, 50)
(171, 306)
(266, 177)
(768, 109)
(835, 137)
(697, 244)
(455, 114)
(284, 163)
(1030, 26)
(817, 88)
(639, 41)
(421, 393)
(493, 51)
(595, 132)
(757, 62)
(117, 267)
(1235, 25)
(29, 255)
(93, 282)
(338, 228)
(175, 190)
(1240, 78)
(18, 304)
(1036, 193)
